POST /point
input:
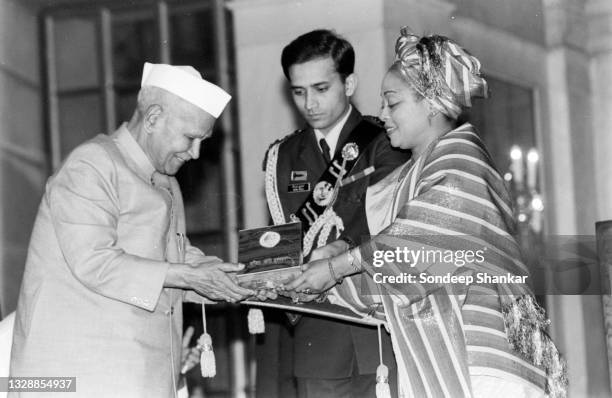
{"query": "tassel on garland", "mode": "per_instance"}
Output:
(382, 382)
(256, 321)
(382, 373)
(208, 364)
(525, 322)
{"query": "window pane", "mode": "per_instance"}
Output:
(193, 43)
(77, 60)
(134, 42)
(504, 119)
(80, 119)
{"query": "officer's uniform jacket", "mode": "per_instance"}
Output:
(324, 347)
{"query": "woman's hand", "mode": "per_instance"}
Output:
(314, 279)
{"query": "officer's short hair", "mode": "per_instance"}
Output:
(320, 43)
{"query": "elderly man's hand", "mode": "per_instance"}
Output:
(212, 279)
(202, 258)
(217, 281)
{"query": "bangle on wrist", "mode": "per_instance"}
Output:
(332, 273)
(351, 260)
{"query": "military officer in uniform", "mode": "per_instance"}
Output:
(304, 172)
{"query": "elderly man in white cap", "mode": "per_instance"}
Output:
(108, 263)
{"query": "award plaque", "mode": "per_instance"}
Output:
(272, 255)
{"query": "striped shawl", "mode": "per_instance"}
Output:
(451, 201)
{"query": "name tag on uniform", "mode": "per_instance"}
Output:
(294, 188)
(298, 175)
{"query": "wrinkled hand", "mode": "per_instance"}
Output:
(203, 259)
(217, 281)
(315, 277)
(190, 356)
(329, 250)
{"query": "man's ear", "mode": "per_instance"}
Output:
(151, 117)
(350, 84)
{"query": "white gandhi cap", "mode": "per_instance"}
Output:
(187, 83)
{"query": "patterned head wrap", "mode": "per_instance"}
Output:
(440, 70)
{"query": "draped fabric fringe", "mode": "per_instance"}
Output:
(526, 323)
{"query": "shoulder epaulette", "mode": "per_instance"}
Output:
(278, 141)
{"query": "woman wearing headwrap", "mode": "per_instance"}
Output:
(481, 334)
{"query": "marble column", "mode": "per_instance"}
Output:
(599, 16)
(577, 321)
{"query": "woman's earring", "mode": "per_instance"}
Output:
(431, 115)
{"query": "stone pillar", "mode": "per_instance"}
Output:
(599, 16)
(577, 321)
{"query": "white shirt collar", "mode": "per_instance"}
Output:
(132, 150)
(334, 134)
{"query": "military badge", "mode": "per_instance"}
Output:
(298, 187)
(299, 175)
(350, 151)
(323, 193)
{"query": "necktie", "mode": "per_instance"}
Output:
(325, 150)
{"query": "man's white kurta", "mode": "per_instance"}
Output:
(92, 303)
